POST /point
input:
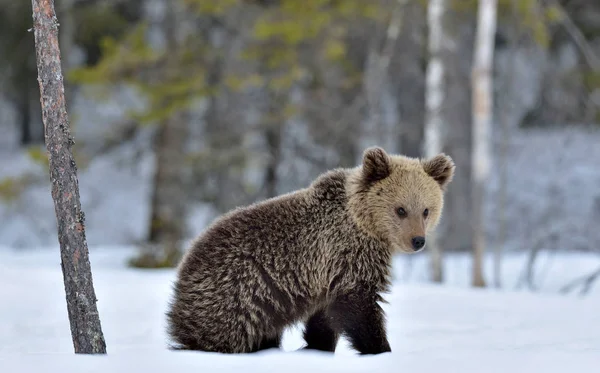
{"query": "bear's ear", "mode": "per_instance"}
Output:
(440, 168)
(376, 165)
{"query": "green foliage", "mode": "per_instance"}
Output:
(294, 24)
(239, 83)
(39, 156)
(159, 75)
(532, 18)
(591, 79)
(211, 7)
(11, 188)
(553, 14)
(121, 59)
(282, 36)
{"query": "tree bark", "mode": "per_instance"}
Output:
(434, 99)
(482, 119)
(86, 330)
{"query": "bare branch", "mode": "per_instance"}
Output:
(586, 283)
(590, 56)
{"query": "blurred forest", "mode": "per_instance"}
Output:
(184, 109)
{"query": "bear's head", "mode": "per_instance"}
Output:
(399, 199)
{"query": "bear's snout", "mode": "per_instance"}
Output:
(418, 242)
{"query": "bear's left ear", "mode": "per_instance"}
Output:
(440, 168)
(376, 164)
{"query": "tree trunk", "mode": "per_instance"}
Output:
(169, 195)
(167, 225)
(482, 118)
(409, 78)
(457, 31)
(25, 109)
(376, 71)
(273, 139)
(86, 330)
(434, 121)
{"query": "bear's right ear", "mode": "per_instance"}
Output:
(376, 165)
(440, 168)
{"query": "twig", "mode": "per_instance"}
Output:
(586, 282)
(588, 53)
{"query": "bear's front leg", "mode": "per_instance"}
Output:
(318, 333)
(358, 315)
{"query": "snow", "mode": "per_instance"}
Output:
(432, 328)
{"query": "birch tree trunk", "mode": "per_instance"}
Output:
(86, 330)
(434, 99)
(482, 119)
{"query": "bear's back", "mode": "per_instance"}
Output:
(285, 233)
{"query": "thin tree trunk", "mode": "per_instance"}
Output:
(25, 109)
(457, 34)
(502, 195)
(434, 99)
(482, 117)
(168, 199)
(408, 78)
(86, 330)
(273, 139)
(507, 103)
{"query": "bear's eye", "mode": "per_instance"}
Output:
(401, 212)
(426, 213)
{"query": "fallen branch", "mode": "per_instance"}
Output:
(586, 283)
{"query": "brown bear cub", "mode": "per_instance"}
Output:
(320, 255)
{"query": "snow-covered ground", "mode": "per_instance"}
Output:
(431, 328)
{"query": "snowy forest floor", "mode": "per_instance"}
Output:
(432, 328)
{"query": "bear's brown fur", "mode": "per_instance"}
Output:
(320, 255)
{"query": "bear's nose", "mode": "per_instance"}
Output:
(418, 242)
